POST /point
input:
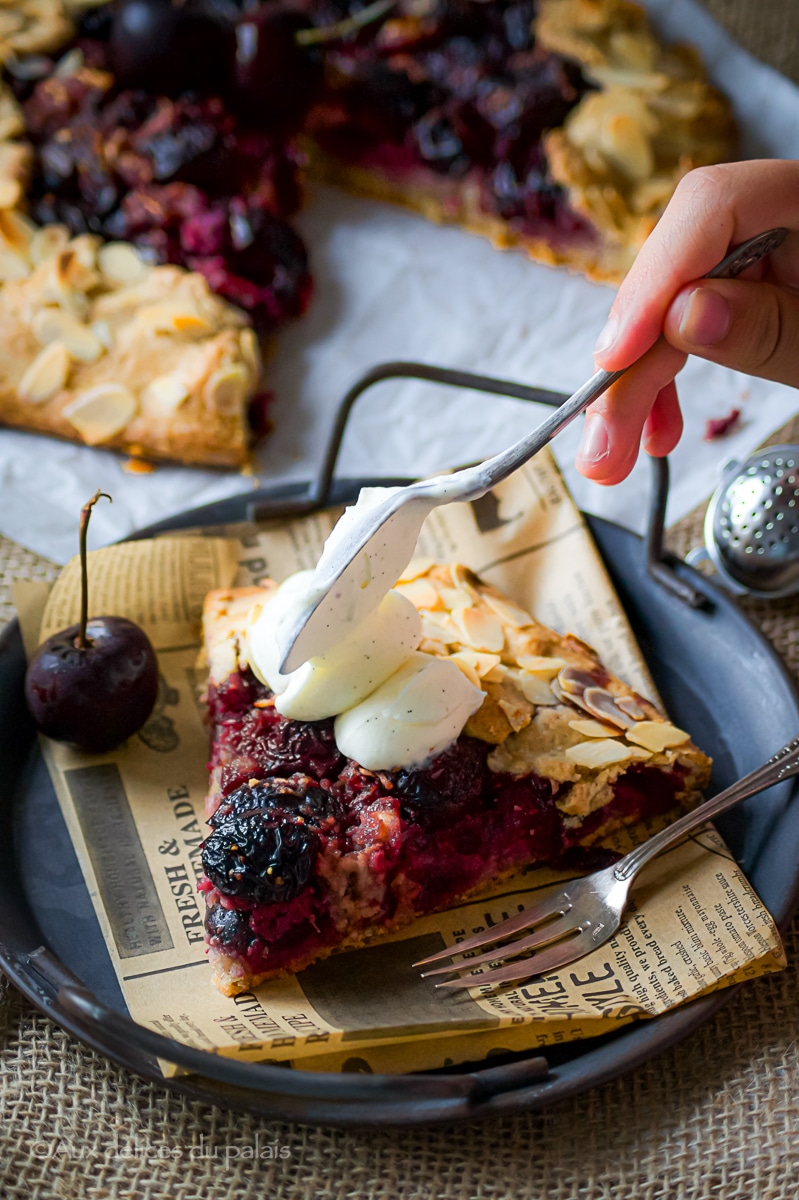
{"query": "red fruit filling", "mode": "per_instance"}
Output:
(462, 90)
(307, 847)
(181, 178)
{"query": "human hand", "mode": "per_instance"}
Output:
(750, 324)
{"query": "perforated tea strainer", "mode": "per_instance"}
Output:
(752, 525)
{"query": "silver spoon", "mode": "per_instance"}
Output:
(374, 540)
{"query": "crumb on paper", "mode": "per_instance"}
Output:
(718, 427)
(138, 466)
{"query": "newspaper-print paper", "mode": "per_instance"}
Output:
(136, 818)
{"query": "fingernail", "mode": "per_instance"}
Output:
(704, 317)
(595, 444)
(608, 335)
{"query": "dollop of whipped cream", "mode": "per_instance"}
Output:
(410, 718)
(394, 705)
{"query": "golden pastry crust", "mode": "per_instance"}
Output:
(101, 348)
(530, 717)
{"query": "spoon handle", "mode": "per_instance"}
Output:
(495, 469)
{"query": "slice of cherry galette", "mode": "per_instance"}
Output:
(324, 834)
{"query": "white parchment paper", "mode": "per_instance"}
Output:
(391, 286)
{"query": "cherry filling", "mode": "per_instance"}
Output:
(308, 847)
(462, 91)
(183, 178)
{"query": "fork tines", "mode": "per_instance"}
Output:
(550, 924)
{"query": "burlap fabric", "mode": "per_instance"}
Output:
(715, 1117)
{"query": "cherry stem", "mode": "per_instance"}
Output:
(342, 29)
(85, 515)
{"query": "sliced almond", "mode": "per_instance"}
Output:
(463, 666)
(481, 664)
(175, 319)
(439, 626)
(539, 664)
(58, 288)
(573, 680)
(480, 630)
(593, 755)
(16, 232)
(536, 689)
(85, 248)
(165, 394)
(631, 707)
(103, 331)
(47, 242)
(228, 389)
(509, 614)
(101, 412)
(462, 578)
(433, 646)
(639, 753)
(417, 566)
(10, 193)
(656, 735)
(519, 713)
(593, 729)
(46, 375)
(76, 269)
(121, 266)
(601, 703)
(13, 266)
(12, 122)
(53, 324)
(461, 581)
(251, 353)
(452, 597)
(624, 143)
(420, 592)
(634, 48)
(630, 77)
(69, 64)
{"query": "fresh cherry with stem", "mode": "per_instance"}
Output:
(95, 683)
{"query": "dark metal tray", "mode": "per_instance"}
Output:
(718, 677)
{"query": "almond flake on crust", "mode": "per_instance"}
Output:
(35, 27)
(158, 365)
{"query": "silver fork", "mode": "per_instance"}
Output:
(571, 921)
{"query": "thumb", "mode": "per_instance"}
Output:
(751, 327)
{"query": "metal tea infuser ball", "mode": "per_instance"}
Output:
(752, 525)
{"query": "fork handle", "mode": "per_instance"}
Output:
(782, 765)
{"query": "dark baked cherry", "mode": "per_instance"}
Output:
(451, 786)
(279, 746)
(228, 929)
(451, 138)
(265, 860)
(298, 794)
(95, 683)
(273, 77)
(160, 46)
